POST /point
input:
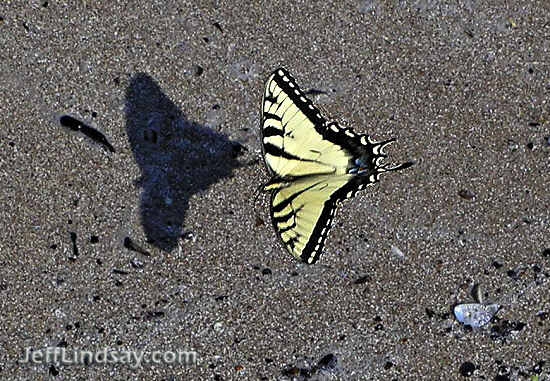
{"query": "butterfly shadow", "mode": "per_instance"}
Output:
(177, 157)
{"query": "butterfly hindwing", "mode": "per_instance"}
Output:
(302, 213)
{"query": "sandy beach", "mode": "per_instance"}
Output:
(131, 161)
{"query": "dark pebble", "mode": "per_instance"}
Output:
(198, 70)
(188, 236)
(505, 327)
(466, 194)
(542, 315)
(218, 26)
(328, 362)
(430, 313)
(53, 371)
(467, 369)
(131, 245)
(538, 367)
(362, 280)
(513, 274)
(136, 263)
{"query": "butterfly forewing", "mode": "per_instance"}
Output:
(293, 133)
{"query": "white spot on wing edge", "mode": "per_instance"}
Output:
(334, 128)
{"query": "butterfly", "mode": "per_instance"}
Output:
(314, 163)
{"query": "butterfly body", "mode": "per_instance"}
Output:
(314, 163)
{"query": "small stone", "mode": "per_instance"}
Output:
(136, 263)
(475, 314)
(259, 222)
(477, 294)
(198, 70)
(362, 280)
(328, 362)
(188, 236)
(466, 194)
(467, 369)
(291, 372)
(397, 252)
(505, 328)
(430, 313)
(542, 315)
(53, 371)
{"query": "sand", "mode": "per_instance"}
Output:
(174, 87)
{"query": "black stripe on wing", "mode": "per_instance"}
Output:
(273, 150)
(316, 242)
